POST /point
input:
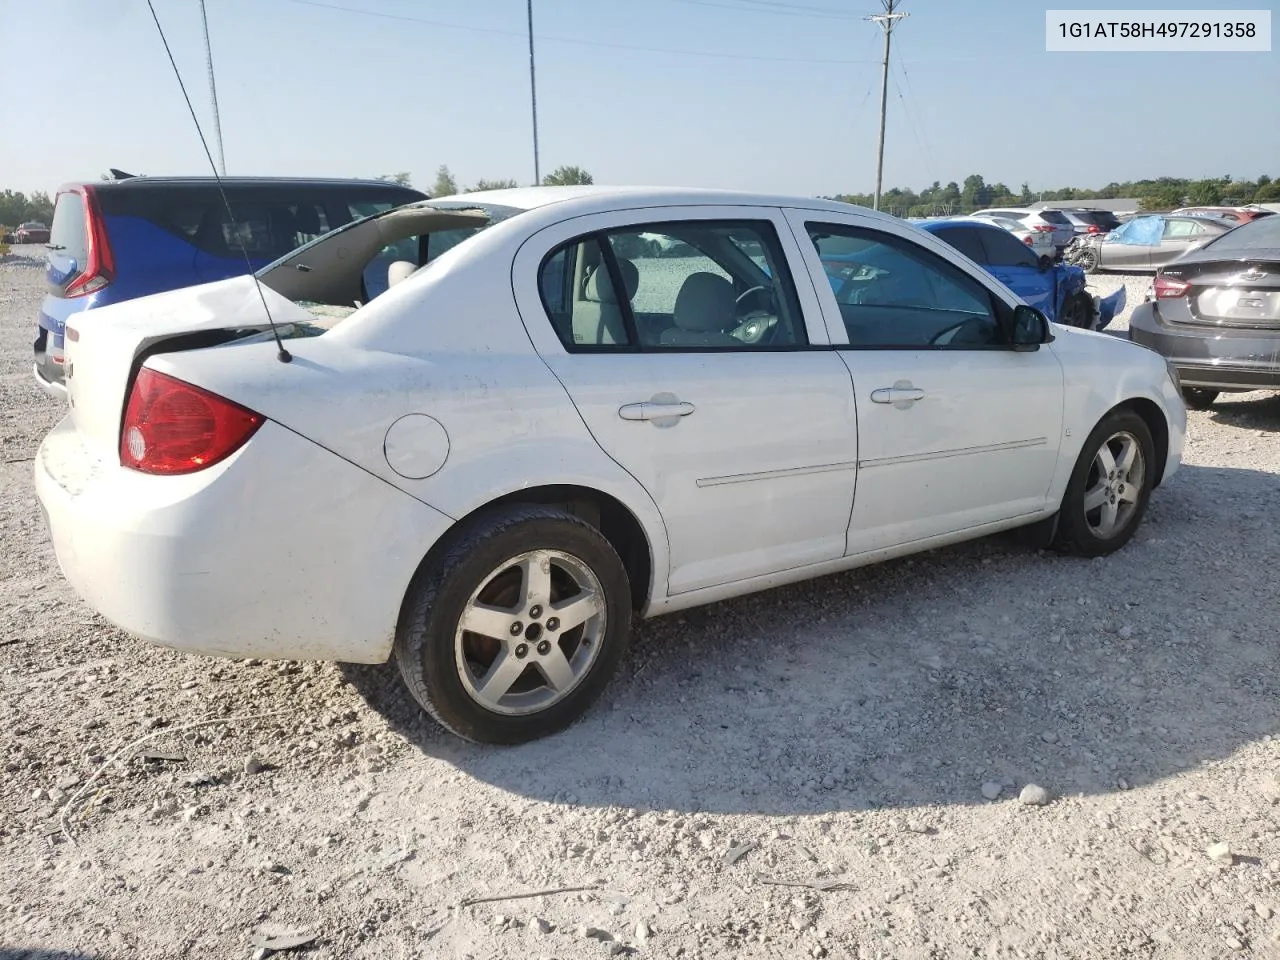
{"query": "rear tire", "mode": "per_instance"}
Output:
(519, 574)
(1199, 398)
(1109, 488)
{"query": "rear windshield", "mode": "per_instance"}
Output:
(334, 288)
(1053, 216)
(1260, 234)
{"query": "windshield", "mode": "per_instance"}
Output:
(1261, 234)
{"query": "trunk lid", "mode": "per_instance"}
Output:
(1236, 293)
(105, 350)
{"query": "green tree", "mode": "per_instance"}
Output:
(491, 185)
(975, 193)
(1205, 193)
(445, 185)
(567, 176)
(401, 178)
(1268, 192)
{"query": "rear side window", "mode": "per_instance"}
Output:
(964, 240)
(673, 286)
(67, 236)
(1006, 250)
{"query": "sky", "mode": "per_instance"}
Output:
(767, 95)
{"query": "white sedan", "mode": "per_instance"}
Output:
(562, 408)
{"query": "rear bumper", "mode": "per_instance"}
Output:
(282, 551)
(1218, 358)
(54, 388)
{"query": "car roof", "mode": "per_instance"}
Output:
(143, 183)
(599, 199)
(932, 225)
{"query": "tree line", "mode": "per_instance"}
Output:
(16, 208)
(446, 185)
(1163, 193)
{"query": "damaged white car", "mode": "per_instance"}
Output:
(509, 423)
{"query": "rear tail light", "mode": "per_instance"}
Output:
(172, 427)
(1167, 288)
(1043, 227)
(101, 266)
(1093, 228)
(1028, 241)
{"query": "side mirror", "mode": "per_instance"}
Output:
(1028, 329)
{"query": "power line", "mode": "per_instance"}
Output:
(781, 10)
(573, 40)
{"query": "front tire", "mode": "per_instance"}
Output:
(1199, 398)
(1109, 488)
(518, 625)
(1077, 311)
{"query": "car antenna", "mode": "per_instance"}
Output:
(283, 355)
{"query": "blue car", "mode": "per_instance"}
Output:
(1056, 290)
(118, 239)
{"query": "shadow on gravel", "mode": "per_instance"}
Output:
(911, 683)
(1260, 414)
(37, 953)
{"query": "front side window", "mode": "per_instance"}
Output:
(894, 294)
(689, 285)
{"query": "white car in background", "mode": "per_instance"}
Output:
(529, 439)
(1051, 222)
(1038, 241)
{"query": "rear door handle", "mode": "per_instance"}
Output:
(650, 410)
(902, 394)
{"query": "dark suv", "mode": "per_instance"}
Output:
(114, 240)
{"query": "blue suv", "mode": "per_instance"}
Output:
(118, 239)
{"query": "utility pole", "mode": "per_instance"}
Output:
(887, 20)
(213, 92)
(533, 97)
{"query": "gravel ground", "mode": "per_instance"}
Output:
(840, 768)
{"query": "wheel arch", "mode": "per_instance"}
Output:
(1154, 418)
(614, 519)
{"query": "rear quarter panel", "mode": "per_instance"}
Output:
(449, 344)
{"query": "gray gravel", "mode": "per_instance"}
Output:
(829, 769)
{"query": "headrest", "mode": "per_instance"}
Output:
(705, 302)
(600, 284)
(307, 218)
(400, 270)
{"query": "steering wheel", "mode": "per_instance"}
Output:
(756, 328)
(955, 335)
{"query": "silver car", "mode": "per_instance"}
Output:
(1052, 222)
(1148, 242)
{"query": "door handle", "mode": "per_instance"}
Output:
(651, 410)
(902, 394)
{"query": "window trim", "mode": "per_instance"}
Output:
(1000, 310)
(609, 261)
